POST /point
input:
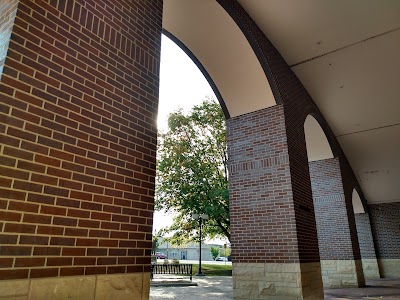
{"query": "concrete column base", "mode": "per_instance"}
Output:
(275, 281)
(370, 268)
(120, 286)
(389, 268)
(342, 273)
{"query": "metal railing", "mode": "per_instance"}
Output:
(175, 269)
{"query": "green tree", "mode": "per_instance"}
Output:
(225, 251)
(192, 174)
(214, 252)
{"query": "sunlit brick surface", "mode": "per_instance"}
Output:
(78, 104)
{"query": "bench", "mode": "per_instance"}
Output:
(175, 269)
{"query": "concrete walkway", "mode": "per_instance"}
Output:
(220, 288)
(210, 288)
(384, 288)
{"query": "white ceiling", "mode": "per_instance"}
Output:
(304, 29)
(347, 55)
(208, 31)
(345, 52)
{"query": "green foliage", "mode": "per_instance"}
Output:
(214, 252)
(192, 172)
(214, 270)
(225, 251)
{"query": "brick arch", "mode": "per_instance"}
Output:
(202, 70)
(240, 73)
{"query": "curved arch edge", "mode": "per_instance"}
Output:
(202, 70)
(254, 45)
(358, 204)
(317, 142)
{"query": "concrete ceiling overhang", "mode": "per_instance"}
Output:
(347, 55)
(216, 41)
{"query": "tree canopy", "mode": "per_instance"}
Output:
(192, 176)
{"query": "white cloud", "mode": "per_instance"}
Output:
(182, 85)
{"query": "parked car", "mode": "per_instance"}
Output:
(221, 258)
(160, 255)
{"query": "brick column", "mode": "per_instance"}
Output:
(273, 233)
(367, 247)
(78, 107)
(385, 224)
(337, 239)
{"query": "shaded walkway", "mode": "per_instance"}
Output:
(220, 288)
(384, 288)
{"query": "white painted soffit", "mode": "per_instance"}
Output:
(374, 157)
(357, 90)
(317, 144)
(302, 30)
(209, 32)
(357, 203)
(346, 54)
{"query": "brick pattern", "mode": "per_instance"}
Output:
(349, 184)
(298, 104)
(79, 97)
(334, 238)
(8, 10)
(365, 239)
(385, 223)
(263, 224)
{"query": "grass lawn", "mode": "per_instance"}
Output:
(213, 270)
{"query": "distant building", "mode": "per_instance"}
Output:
(188, 252)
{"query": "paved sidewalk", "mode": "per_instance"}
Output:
(384, 288)
(210, 288)
(220, 288)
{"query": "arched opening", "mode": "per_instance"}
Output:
(318, 146)
(188, 106)
(358, 206)
(236, 76)
(208, 31)
(335, 237)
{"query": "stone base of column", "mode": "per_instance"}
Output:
(370, 268)
(292, 281)
(389, 267)
(342, 273)
(118, 286)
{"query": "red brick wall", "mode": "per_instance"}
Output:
(288, 90)
(331, 213)
(364, 233)
(385, 224)
(79, 97)
(297, 104)
(263, 223)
